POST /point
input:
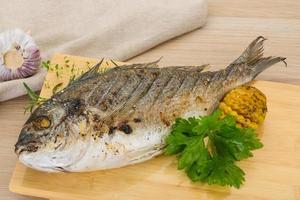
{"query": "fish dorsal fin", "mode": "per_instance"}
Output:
(152, 64)
(199, 68)
(90, 73)
(142, 65)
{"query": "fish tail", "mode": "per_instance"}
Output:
(254, 60)
(265, 63)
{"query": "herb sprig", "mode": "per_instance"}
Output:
(35, 99)
(208, 148)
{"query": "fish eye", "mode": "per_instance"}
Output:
(41, 123)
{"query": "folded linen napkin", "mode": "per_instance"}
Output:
(97, 28)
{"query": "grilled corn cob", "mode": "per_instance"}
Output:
(246, 104)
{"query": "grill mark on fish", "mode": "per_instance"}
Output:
(182, 99)
(111, 113)
(159, 89)
(172, 87)
(177, 89)
(187, 85)
(100, 91)
(119, 99)
(114, 89)
(98, 88)
(162, 101)
(217, 80)
(153, 89)
(142, 89)
(140, 97)
(202, 82)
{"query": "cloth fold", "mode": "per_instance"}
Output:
(97, 28)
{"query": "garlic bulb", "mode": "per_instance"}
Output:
(19, 55)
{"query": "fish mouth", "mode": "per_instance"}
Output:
(29, 147)
(26, 143)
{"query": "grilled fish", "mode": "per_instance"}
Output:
(122, 116)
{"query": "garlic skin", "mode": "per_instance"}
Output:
(19, 55)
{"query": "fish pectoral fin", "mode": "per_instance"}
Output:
(144, 153)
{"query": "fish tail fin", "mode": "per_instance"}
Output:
(253, 57)
(265, 63)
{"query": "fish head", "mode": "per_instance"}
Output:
(49, 139)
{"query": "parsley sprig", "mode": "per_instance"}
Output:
(208, 148)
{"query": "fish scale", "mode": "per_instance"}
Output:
(122, 116)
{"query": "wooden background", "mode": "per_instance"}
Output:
(231, 25)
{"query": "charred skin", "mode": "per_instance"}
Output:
(148, 94)
(122, 116)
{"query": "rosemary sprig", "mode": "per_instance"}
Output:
(35, 99)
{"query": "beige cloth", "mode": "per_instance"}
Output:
(117, 29)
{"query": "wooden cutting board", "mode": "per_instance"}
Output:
(273, 173)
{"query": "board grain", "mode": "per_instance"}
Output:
(274, 172)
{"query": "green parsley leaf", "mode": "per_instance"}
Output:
(191, 153)
(208, 148)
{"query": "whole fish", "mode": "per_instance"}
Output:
(122, 116)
